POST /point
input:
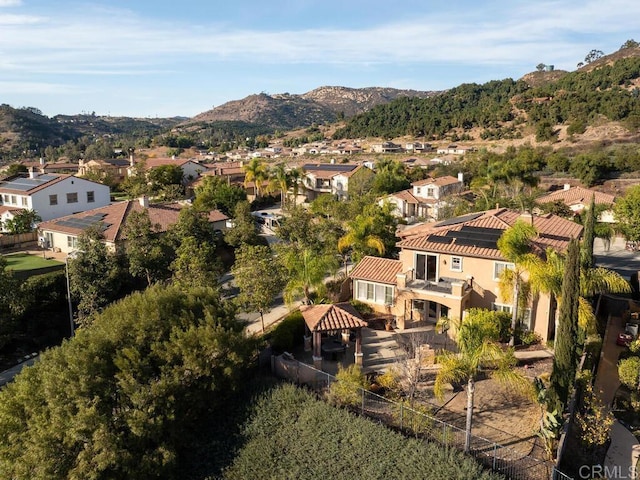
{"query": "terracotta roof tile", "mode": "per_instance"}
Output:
(576, 195)
(439, 181)
(323, 318)
(376, 269)
(553, 231)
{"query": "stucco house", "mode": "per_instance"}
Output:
(191, 169)
(425, 199)
(62, 233)
(333, 178)
(448, 267)
(53, 195)
(578, 198)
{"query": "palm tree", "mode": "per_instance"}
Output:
(478, 349)
(256, 172)
(359, 239)
(546, 276)
(295, 177)
(307, 270)
(279, 180)
(515, 246)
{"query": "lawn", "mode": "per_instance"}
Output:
(24, 261)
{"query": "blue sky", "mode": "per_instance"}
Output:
(181, 57)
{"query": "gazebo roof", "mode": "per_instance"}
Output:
(324, 318)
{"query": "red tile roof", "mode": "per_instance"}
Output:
(553, 231)
(157, 162)
(376, 269)
(324, 318)
(116, 214)
(439, 181)
(577, 195)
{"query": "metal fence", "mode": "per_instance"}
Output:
(507, 461)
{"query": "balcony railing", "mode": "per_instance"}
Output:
(441, 285)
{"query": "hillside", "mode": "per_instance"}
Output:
(288, 111)
(26, 131)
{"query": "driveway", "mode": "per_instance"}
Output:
(617, 257)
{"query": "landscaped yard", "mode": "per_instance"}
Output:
(25, 261)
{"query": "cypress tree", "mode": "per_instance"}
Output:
(588, 235)
(565, 358)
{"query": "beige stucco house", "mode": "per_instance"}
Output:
(448, 267)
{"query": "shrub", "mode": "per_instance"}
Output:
(629, 371)
(288, 333)
(361, 307)
(347, 389)
(529, 337)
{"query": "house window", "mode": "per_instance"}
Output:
(501, 307)
(417, 190)
(499, 267)
(431, 192)
(53, 199)
(5, 198)
(91, 197)
(72, 197)
(14, 200)
(525, 320)
(426, 267)
(456, 264)
(72, 242)
(374, 292)
(25, 201)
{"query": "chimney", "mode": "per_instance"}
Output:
(41, 161)
(567, 186)
(461, 177)
(31, 173)
(131, 162)
(144, 201)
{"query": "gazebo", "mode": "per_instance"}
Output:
(341, 317)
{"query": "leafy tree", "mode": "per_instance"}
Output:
(279, 182)
(256, 172)
(629, 372)
(22, 222)
(259, 277)
(360, 239)
(631, 43)
(627, 212)
(94, 273)
(299, 227)
(165, 175)
(244, 227)
(295, 177)
(594, 421)
(545, 132)
(136, 184)
(348, 387)
(478, 351)
(593, 55)
(192, 223)
(217, 193)
(124, 397)
(565, 358)
(540, 67)
(9, 302)
(196, 263)
(145, 249)
(390, 177)
(16, 169)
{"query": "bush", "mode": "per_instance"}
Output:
(529, 337)
(292, 435)
(288, 333)
(362, 308)
(628, 371)
(347, 389)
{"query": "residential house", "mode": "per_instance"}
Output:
(454, 150)
(191, 169)
(425, 199)
(448, 267)
(578, 198)
(62, 233)
(116, 168)
(333, 178)
(386, 147)
(53, 195)
(419, 147)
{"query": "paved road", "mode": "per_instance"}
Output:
(7, 375)
(617, 257)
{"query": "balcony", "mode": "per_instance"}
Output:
(444, 285)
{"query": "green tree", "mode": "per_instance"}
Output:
(478, 351)
(217, 193)
(588, 234)
(165, 175)
(279, 182)
(9, 303)
(360, 240)
(564, 360)
(306, 271)
(94, 273)
(391, 177)
(515, 246)
(146, 251)
(196, 263)
(22, 222)
(256, 172)
(627, 213)
(295, 179)
(259, 277)
(126, 395)
(244, 227)
(16, 169)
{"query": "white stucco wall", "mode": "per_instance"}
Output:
(41, 199)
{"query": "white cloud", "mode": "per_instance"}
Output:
(10, 3)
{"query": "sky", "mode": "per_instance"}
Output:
(162, 58)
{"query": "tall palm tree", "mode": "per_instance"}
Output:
(546, 276)
(515, 246)
(307, 270)
(256, 172)
(359, 239)
(279, 180)
(295, 178)
(478, 349)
